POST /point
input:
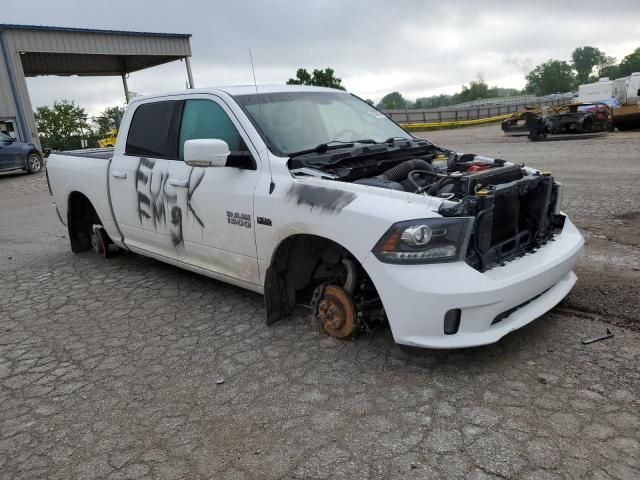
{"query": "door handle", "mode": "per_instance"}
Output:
(178, 183)
(116, 174)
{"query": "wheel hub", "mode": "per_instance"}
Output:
(34, 163)
(336, 312)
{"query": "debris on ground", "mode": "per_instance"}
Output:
(609, 334)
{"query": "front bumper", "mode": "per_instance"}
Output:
(416, 297)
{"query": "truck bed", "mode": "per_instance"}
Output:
(82, 172)
(102, 153)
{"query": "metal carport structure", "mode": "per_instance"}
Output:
(31, 50)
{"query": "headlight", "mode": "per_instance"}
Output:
(430, 240)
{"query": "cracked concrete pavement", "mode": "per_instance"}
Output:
(129, 368)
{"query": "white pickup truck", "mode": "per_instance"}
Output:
(311, 196)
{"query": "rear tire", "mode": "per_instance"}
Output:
(34, 163)
(81, 218)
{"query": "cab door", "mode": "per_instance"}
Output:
(145, 180)
(219, 228)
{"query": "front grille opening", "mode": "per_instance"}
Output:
(514, 219)
(506, 215)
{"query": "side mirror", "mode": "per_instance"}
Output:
(206, 152)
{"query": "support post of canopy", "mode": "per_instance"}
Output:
(189, 74)
(126, 87)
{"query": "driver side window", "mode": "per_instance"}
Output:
(207, 119)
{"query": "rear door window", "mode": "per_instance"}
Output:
(150, 132)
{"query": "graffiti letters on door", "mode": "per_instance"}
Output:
(165, 206)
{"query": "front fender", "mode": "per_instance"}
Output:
(353, 216)
(27, 150)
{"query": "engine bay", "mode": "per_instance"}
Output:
(515, 209)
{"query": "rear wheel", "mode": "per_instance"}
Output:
(34, 163)
(100, 241)
(81, 217)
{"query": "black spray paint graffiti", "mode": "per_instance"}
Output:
(326, 200)
(164, 204)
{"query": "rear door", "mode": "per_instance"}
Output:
(146, 199)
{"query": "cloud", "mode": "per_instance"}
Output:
(416, 47)
(521, 65)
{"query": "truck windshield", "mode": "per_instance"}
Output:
(290, 122)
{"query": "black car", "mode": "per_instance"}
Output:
(15, 155)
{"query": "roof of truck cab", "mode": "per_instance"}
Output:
(243, 90)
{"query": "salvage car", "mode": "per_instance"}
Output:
(15, 155)
(516, 124)
(572, 118)
(312, 196)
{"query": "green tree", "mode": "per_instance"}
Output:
(393, 101)
(508, 92)
(435, 101)
(62, 125)
(476, 90)
(606, 68)
(473, 92)
(609, 71)
(629, 64)
(584, 60)
(553, 76)
(108, 120)
(319, 78)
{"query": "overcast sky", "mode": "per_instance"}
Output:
(419, 48)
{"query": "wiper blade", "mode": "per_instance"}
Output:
(333, 144)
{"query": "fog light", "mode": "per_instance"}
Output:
(452, 321)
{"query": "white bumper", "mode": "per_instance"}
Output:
(416, 297)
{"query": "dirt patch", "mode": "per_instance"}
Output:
(612, 299)
(629, 216)
(626, 229)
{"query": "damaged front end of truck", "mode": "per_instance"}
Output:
(490, 211)
(466, 216)
(514, 209)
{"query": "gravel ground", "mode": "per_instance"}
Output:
(129, 368)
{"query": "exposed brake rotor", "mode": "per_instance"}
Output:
(100, 241)
(337, 313)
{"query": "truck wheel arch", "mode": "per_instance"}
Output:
(293, 264)
(81, 216)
